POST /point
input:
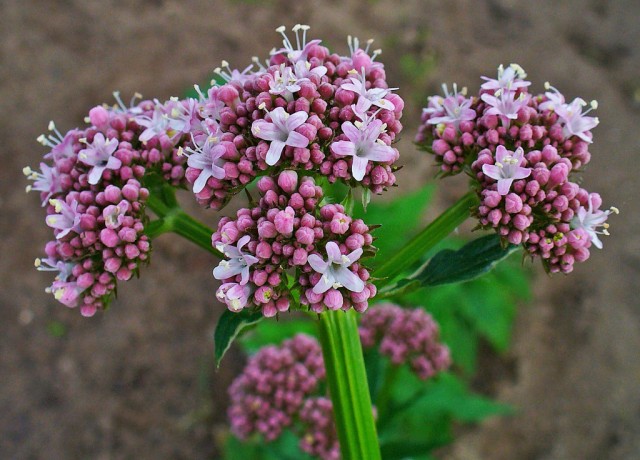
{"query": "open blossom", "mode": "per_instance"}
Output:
(574, 120)
(67, 219)
(507, 168)
(363, 146)
(234, 295)
(99, 154)
(554, 98)
(368, 97)
(591, 218)
(456, 108)
(156, 125)
(509, 79)
(208, 159)
(280, 132)
(47, 182)
(238, 264)
(506, 106)
(284, 82)
(303, 70)
(335, 270)
(302, 48)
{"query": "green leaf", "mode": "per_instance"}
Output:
(229, 326)
(472, 260)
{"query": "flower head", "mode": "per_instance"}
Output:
(284, 82)
(238, 263)
(507, 168)
(335, 270)
(363, 145)
(99, 154)
(234, 295)
(280, 132)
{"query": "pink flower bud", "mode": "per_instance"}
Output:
(304, 235)
(339, 224)
(333, 299)
(299, 257)
(109, 238)
(266, 229)
(513, 203)
(99, 117)
(263, 250)
(288, 181)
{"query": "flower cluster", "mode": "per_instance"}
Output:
(522, 152)
(306, 109)
(289, 237)
(91, 187)
(319, 437)
(274, 386)
(406, 336)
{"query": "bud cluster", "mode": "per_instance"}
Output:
(304, 109)
(522, 152)
(284, 238)
(90, 186)
(405, 336)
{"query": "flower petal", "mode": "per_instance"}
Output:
(349, 280)
(380, 152)
(297, 140)
(333, 252)
(324, 284)
(275, 152)
(359, 167)
(262, 129)
(201, 181)
(296, 119)
(504, 185)
(343, 148)
(317, 263)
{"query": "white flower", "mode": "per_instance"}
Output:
(335, 271)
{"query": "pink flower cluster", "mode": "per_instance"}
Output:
(319, 437)
(273, 387)
(306, 109)
(522, 152)
(285, 238)
(406, 336)
(95, 203)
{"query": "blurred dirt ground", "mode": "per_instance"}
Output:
(137, 382)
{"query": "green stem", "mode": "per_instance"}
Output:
(348, 386)
(431, 235)
(384, 395)
(171, 218)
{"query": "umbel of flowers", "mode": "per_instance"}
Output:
(288, 237)
(282, 386)
(523, 153)
(304, 108)
(90, 185)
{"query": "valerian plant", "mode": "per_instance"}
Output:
(295, 125)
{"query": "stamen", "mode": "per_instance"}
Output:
(614, 210)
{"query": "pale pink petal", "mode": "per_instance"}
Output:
(264, 130)
(296, 120)
(353, 256)
(349, 280)
(201, 181)
(297, 140)
(275, 151)
(317, 263)
(359, 167)
(381, 152)
(323, 285)
(350, 130)
(504, 185)
(343, 148)
(333, 251)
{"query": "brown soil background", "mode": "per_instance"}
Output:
(137, 382)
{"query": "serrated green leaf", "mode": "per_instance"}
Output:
(229, 326)
(472, 260)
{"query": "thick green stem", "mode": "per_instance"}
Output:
(171, 218)
(348, 386)
(432, 234)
